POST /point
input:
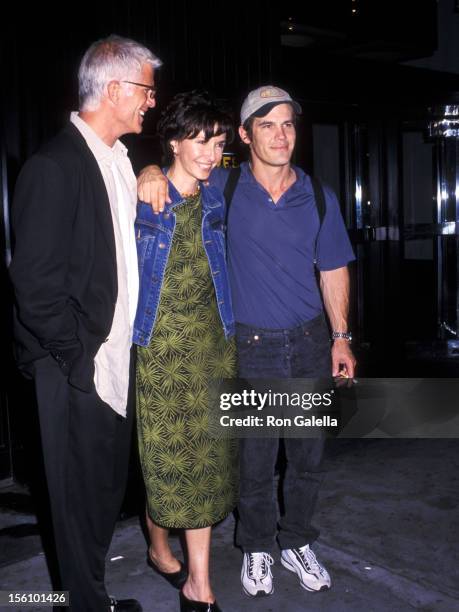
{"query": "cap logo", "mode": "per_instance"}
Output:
(271, 92)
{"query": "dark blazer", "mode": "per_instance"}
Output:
(64, 262)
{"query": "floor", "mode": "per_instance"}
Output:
(388, 515)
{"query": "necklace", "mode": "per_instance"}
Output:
(186, 194)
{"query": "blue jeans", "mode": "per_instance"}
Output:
(301, 352)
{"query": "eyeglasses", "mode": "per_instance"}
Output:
(149, 90)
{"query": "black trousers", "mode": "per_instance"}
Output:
(301, 352)
(86, 455)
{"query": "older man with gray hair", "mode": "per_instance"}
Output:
(74, 272)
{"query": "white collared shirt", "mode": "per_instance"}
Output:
(111, 376)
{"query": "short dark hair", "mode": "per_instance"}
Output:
(262, 112)
(187, 115)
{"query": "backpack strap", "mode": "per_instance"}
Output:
(321, 207)
(230, 188)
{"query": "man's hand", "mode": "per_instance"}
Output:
(152, 188)
(343, 360)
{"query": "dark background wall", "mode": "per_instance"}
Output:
(340, 51)
(202, 44)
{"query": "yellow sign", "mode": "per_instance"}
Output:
(229, 161)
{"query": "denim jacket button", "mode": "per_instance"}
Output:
(162, 245)
(167, 215)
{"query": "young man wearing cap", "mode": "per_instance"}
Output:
(275, 241)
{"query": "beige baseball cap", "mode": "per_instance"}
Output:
(268, 96)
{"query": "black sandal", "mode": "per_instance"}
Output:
(188, 605)
(176, 579)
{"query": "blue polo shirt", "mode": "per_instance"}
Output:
(271, 250)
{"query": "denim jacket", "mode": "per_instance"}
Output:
(154, 235)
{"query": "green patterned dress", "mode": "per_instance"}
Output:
(190, 477)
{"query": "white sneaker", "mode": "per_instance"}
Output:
(256, 576)
(302, 561)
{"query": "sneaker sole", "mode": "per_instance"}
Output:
(258, 593)
(293, 569)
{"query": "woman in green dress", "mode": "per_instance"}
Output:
(183, 325)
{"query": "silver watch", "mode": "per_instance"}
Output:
(346, 335)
